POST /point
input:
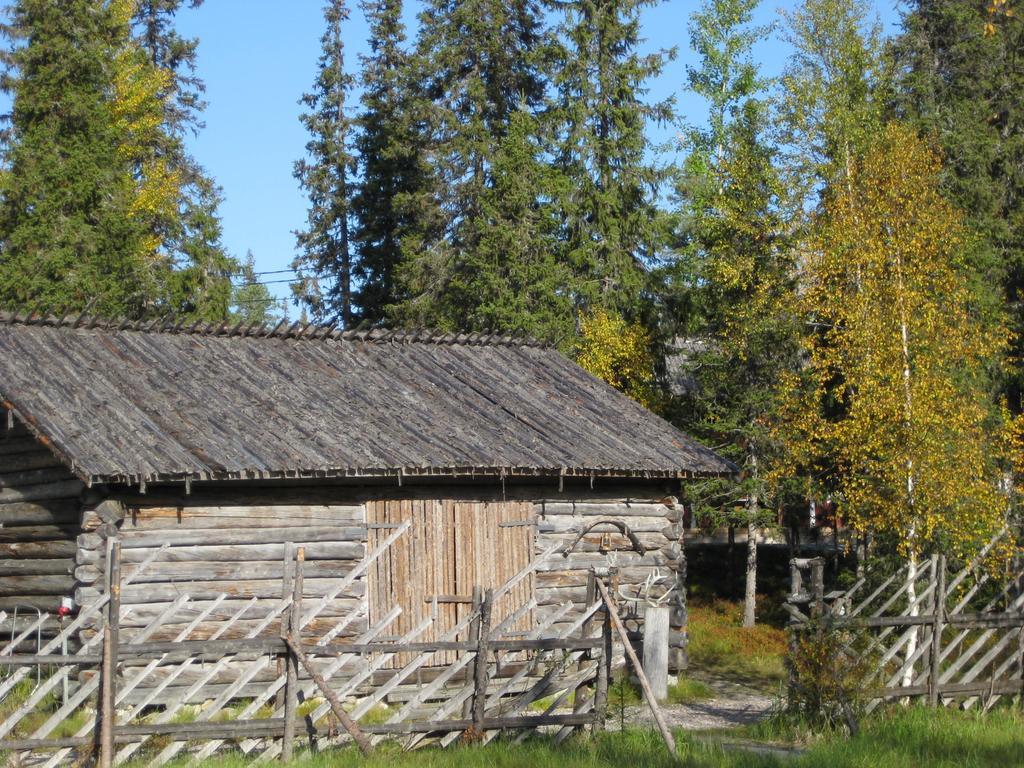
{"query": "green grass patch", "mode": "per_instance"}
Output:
(720, 643)
(897, 738)
(688, 690)
(376, 716)
(541, 705)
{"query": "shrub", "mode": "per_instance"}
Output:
(831, 672)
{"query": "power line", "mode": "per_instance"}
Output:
(275, 272)
(257, 282)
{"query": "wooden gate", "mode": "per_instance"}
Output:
(134, 698)
(451, 548)
(950, 633)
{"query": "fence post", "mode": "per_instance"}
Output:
(817, 587)
(1018, 563)
(604, 670)
(474, 634)
(938, 625)
(796, 580)
(480, 665)
(655, 641)
(290, 624)
(582, 692)
(111, 636)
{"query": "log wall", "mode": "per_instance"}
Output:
(216, 549)
(40, 506)
(654, 521)
(227, 541)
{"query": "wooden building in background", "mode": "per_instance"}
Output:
(224, 444)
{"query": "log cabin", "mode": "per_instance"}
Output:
(225, 444)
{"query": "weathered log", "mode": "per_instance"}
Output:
(58, 490)
(11, 627)
(36, 585)
(37, 549)
(174, 538)
(27, 533)
(143, 614)
(617, 624)
(64, 566)
(324, 550)
(18, 462)
(578, 578)
(614, 510)
(240, 629)
(560, 595)
(587, 561)
(20, 445)
(569, 524)
(135, 594)
(105, 512)
(623, 492)
(256, 516)
(29, 477)
(55, 512)
(229, 570)
(227, 672)
(347, 723)
(554, 579)
(45, 603)
(606, 540)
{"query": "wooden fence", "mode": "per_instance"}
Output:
(124, 695)
(951, 635)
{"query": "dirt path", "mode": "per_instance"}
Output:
(734, 704)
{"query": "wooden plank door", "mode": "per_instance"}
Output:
(450, 548)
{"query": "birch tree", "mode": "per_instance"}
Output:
(895, 390)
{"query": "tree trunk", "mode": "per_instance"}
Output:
(731, 565)
(908, 676)
(750, 595)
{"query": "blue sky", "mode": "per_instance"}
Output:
(258, 56)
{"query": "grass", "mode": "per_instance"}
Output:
(719, 643)
(688, 690)
(898, 738)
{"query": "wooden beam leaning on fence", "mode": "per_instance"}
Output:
(659, 718)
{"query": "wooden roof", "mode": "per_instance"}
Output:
(153, 403)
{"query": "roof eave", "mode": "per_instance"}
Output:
(400, 473)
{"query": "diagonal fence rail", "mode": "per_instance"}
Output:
(135, 696)
(951, 635)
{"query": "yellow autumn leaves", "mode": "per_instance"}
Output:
(138, 108)
(891, 403)
(995, 9)
(619, 353)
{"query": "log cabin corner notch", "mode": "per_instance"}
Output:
(225, 444)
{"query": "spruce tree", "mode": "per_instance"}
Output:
(612, 229)
(70, 241)
(324, 264)
(199, 285)
(390, 163)
(513, 279)
(742, 269)
(961, 84)
(476, 63)
(251, 300)
(168, 50)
